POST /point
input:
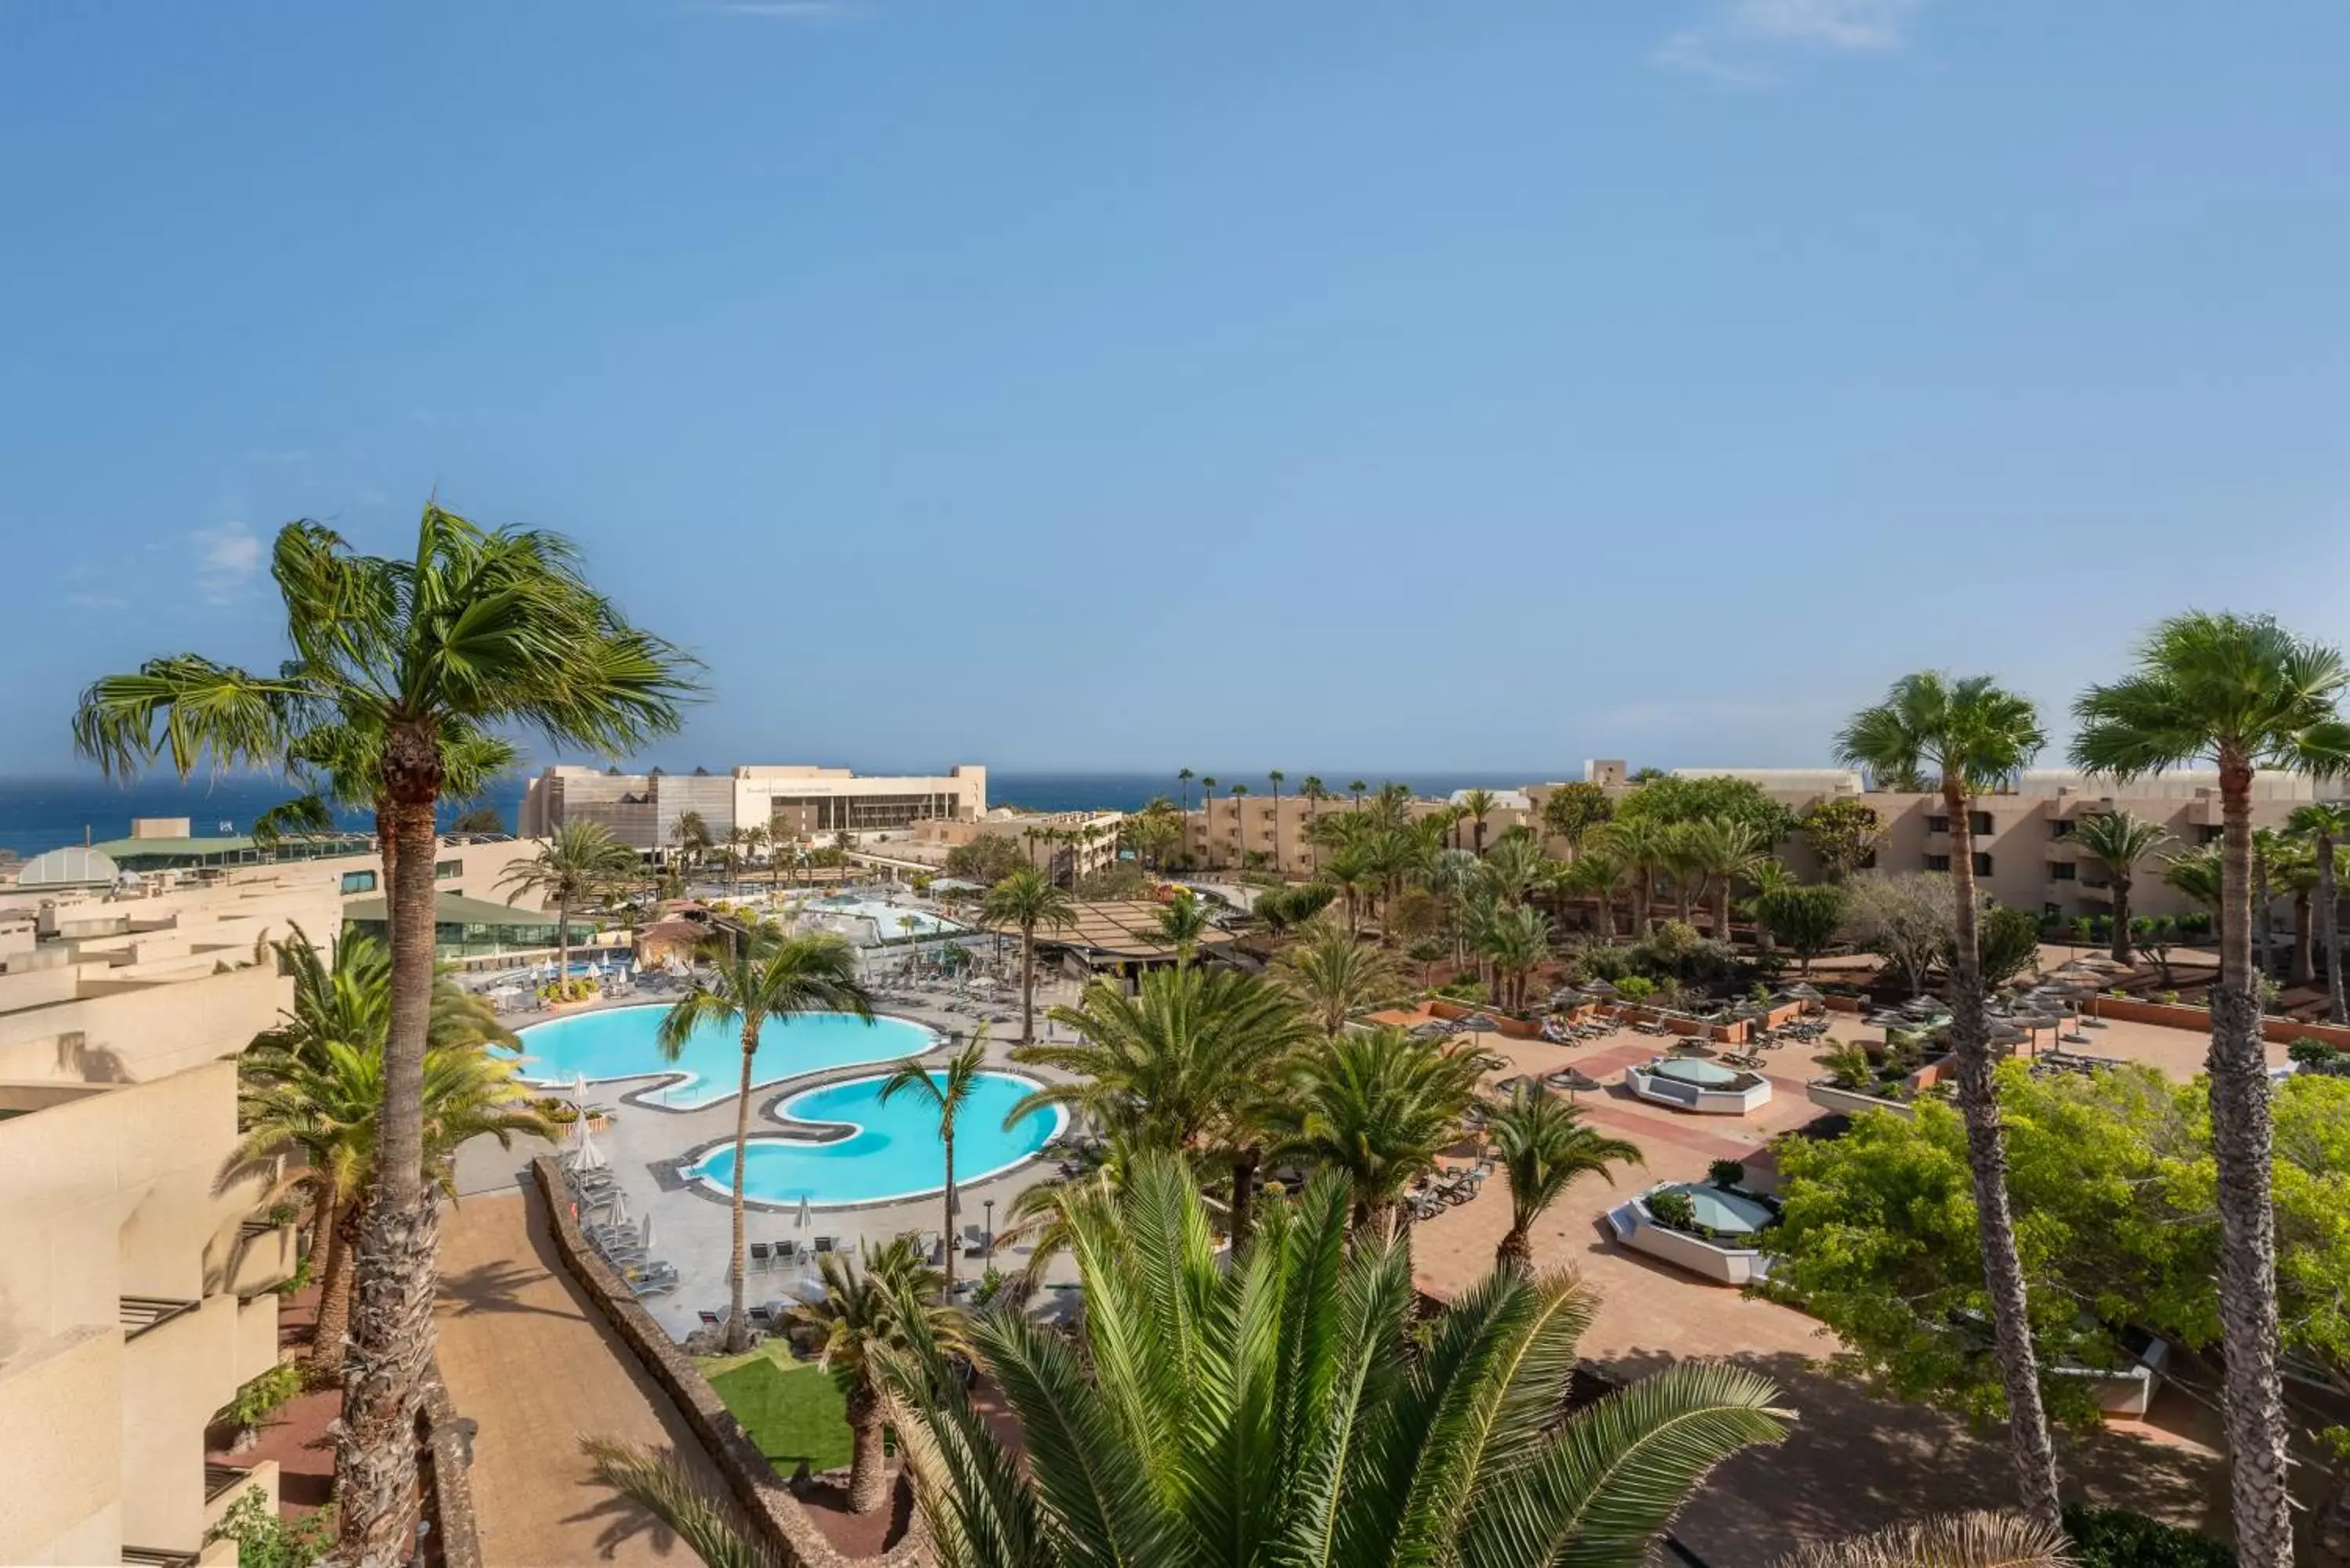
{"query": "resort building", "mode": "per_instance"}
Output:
(790, 801)
(1066, 846)
(137, 1266)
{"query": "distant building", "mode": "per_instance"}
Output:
(789, 801)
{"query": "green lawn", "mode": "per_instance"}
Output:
(791, 1408)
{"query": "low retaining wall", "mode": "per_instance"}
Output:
(449, 1493)
(1852, 1102)
(768, 1503)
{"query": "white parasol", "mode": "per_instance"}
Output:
(805, 1217)
(589, 1157)
(645, 1232)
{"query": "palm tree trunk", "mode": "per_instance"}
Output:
(738, 1326)
(2121, 948)
(2259, 917)
(1027, 985)
(329, 1340)
(2304, 967)
(947, 1138)
(2030, 1449)
(2329, 929)
(1721, 913)
(2241, 1138)
(868, 1476)
(1244, 1163)
(391, 1312)
(1515, 1252)
(562, 941)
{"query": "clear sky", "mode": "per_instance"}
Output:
(1299, 383)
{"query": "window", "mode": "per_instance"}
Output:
(1937, 863)
(1983, 864)
(2064, 871)
(2210, 835)
(358, 882)
(2061, 828)
(1938, 825)
(1979, 823)
(2050, 912)
(445, 869)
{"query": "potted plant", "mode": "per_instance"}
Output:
(1729, 1174)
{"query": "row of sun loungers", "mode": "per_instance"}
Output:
(1435, 1194)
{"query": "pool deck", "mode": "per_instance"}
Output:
(692, 1228)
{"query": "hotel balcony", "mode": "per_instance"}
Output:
(2096, 892)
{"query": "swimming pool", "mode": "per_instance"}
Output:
(615, 1043)
(894, 1153)
(869, 923)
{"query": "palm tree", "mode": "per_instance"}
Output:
(1272, 1407)
(691, 833)
(1177, 1066)
(480, 630)
(1356, 789)
(1183, 780)
(2195, 874)
(1353, 873)
(2241, 692)
(1596, 873)
(1545, 1146)
(945, 1091)
(1208, 819)
(1975, 735)
(752, 838)
(861, 1312)
(746, 984)
(1027, 899)
(2118, 841)
(1377, 1107)
(1332, 975)
(582, 861)
(1946, 1541)
(1316, 794)
(1478, 805)
(339, 766)
(1725, 851)
(1239, 793)
(1182, 920)
(1515, 941)
(1275, 777)
(2326, 826)
(1640, 844)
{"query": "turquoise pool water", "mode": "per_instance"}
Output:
(895, 1152)
(618, 1042)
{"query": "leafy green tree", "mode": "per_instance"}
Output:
(582, 863)
(1571, 810)
(1670, 799)
(1027, 902)
(2242, 692)
(1806, 916)
(1376, 1106)
(1974, 736)
(1272, 1409)
(746, 985)
(1545, 1148)
(986, 859)
(945, 1091)
(2118, 841)
(2010, 940)
(479, 631)
(1725, 852)
(2326, 826)
(1841, 833)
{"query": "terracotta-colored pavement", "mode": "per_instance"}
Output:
(525, 1355)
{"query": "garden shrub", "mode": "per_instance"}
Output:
(2116, 1538)
(1726, 1173)
(1673, 1208)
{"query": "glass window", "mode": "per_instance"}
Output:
(1979, 822)
(1937, 863)
(1983, 864)
(445, 869)
(358, 882)
(1938, 825)
(2064, 871)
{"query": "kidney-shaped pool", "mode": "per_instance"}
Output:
(614, 1042)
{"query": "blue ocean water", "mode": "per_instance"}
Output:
(38, 814)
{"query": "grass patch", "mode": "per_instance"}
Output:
(791, 1408)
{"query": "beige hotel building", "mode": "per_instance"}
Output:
(792, 801)
(136, 1267)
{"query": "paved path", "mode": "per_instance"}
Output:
(525, 1356)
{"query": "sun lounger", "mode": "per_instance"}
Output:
(762, 1257)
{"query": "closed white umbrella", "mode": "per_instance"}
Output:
(645, 1232)
(805, 1217)
(589, 1157)
(620, 1206)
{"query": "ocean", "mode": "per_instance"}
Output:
(38, 814)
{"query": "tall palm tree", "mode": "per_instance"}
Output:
(1315, 793)
(1595, 874)
(1275, 777)
(861, 1312)
(744, 986)
(1545, 1145)
(1684, 866)
(1975, 736)
(480, 630)
(1516, 941)
(2326, 826)
(1208, 819)
(945, 1090)
(1332, 975)
(1477, 805)
(581, 862)
(1177, 1066)
(691, 833)
(1272, 1407)
(2118, 840)
(1354, 874)
(1640, 844)
(1183, 777)
(1027, 900)
(2241, 691)
(1725, 852)
(1377, 1107)
(1356, 789)
(1239, 794)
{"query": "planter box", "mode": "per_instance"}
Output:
(1724, 1265)
(1852, 1102)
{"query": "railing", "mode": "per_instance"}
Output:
(158, 1557)
(143, 1315)
(221, 1479)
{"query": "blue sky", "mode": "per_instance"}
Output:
(1324, 383)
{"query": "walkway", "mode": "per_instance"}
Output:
(525, 1355)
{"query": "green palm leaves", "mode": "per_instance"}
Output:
(946, 1091)
(1376, 1106)
(1273, 1412)
(1027, 901)
(1545, 1146)
(1335, 976)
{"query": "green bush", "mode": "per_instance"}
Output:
(259, 1398)
(266, 1539)
(1673, 1208)
(1726, 1173)
(2116, 1538)
(2312, 1053)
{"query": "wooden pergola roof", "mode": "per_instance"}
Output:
(1122, 929)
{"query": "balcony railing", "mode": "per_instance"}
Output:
(143, 1315)
(158, 1557)
(221, 1479)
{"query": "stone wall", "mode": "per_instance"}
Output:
(448, 1497)
(767, 1502)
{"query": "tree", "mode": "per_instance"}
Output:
(479, 819)
(1725, 851)
(986, 859)
(1905, 917)
(1335, 976)
(1239, 794)
(480, 629)
(1276, 778)
(1639, 844)
(1841, 833)
(861, 1312)
(1217, 1415)
(1946, 1541)
(2326, 826)
(745, 985)
(1545, 1146)
(1571, 810)
(582, 862)
(1974, 735)
(1806, 916)
(1515, 941)
(2195, 873)
(1178, 1066)
(1671, 799)
(1376, 1106)
(2241, 692)
(1183, 777)
(1208, 820)
(312, 1087)
(1026, 900)
(1315, 793)
(1595, 874)
(2009, 944)
(691, 832)
(1182, 921)
(2118, 840)
(946, 1092)
(1478, 805)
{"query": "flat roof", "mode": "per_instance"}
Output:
(1120, 927)
(456, 908)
